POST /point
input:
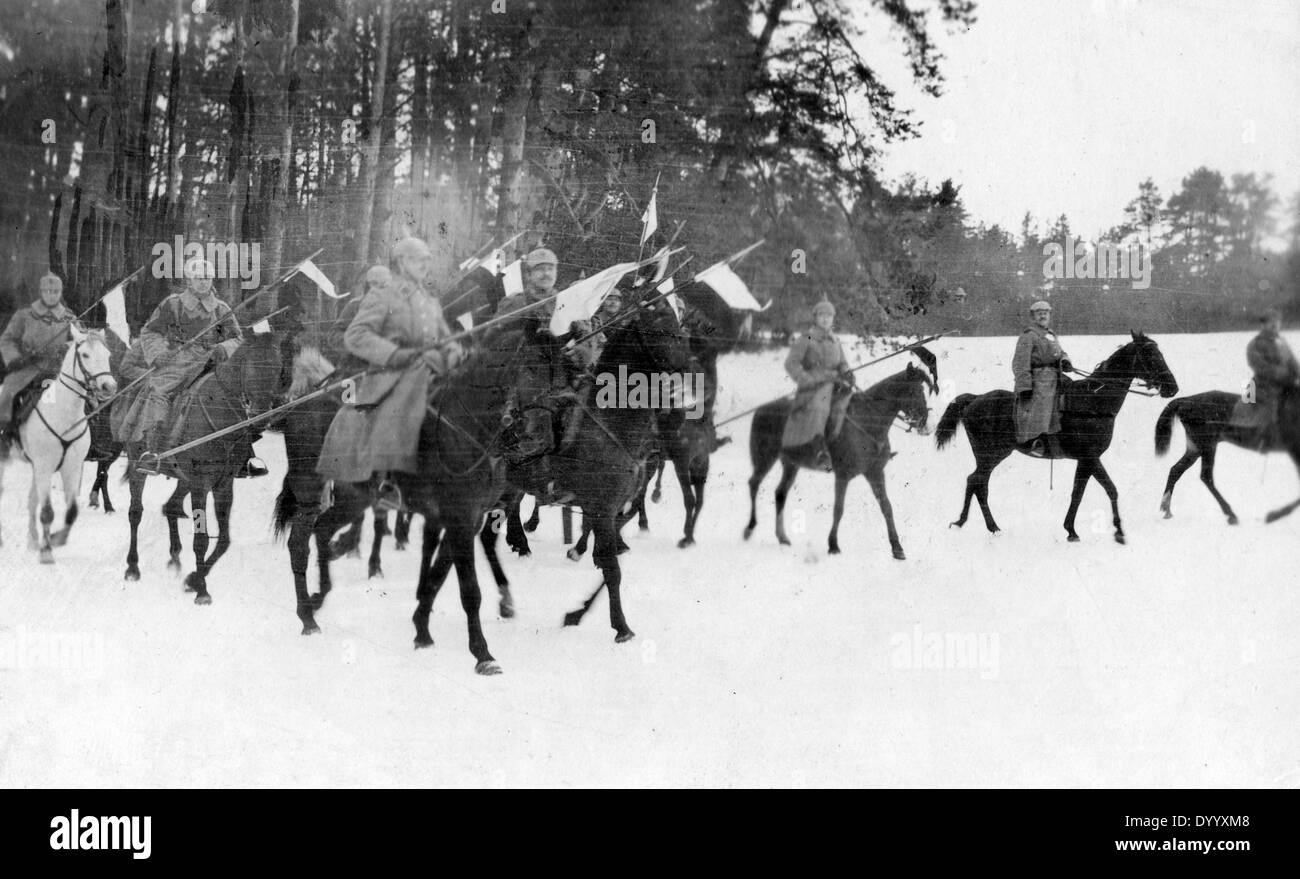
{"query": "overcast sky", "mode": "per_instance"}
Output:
(1064, 107)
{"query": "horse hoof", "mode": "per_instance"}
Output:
(685, 542)
(833, 550)
(132, 574)
(1119, 538)
(1232, 520)
(641, 527)
(174, 566)
(487, 667)
(376, 571)
(422, 641)
(784, 541)
(93, 503)
(203, 598)
(310, 629)
(59, 538)
(748, 531)
(573, 618)
(189, 582)
(573, 555)
(47, 557)
(1073, 538)
(401, 546)
(507, 610)
(898, 554)
(624, 636)
(109, 509)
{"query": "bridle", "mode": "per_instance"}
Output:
(83, 383)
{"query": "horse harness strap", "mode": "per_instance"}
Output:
(81, 389)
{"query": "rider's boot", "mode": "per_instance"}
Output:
(149, 463)
(253, 467)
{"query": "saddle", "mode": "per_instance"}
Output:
(25, 400)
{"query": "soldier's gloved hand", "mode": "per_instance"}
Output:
(434, 360)
(453, 354)
(403, 357)
(218, 355)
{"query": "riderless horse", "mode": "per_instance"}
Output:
(1088, 410)
(56, 437)
(860, 447)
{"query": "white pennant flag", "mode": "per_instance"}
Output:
(261, 328)
(513, 282)
(115, 312)
(650, 219)
(312, 271)
(729, 287)
(581, 300)
(466, 321)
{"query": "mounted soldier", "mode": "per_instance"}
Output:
(400, 329)
(1275, 369)
(334, 344)
(189, 332)
(1037, 366)
(820, 370)
(32, 345)
(547, 380)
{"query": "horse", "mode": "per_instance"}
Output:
(248, 383)
(1207, 421)
(55, 436)
(1089, 407)
(459, 480)
(860, 447)
(605, 466)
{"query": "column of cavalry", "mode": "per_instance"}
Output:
(412, 417)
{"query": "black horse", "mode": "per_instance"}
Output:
(1088, 410)
(605, 466)
(861, 447)
(247, 384)
(1206, 420)
(459, 480)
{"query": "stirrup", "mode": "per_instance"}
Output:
(149, 463)
(389, 497)
(253, 468)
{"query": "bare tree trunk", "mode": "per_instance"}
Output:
(370, 152)
(274, 249)
(516, 91)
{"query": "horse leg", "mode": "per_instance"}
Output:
(606, 555)
(688, 501)
(2, 485)
(376, 568)
(174, 511)
(698, 478)
(566, 523)
(135, 512)
(487, 536)
(1082, 473)
(223, 500)
(1175, 473)
(761, 467)
(841, 489)
(102, 468)
(1103, 478)
(1207, 476)
(579, 549)
(100, 473)
(71, 477)
(431, 580)
(39, 500)
(876, 479)
(659, 481)
(460, 540)
(197, 579)
(300, 531)
(516, 536)
(402, 531)
(788, 473)
(536, 518)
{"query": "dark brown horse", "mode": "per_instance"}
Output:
(861, 447)
(1207, 421)
(247, 384)
(1088, 410)
(459, 480)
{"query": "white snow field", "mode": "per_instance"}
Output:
(1016, 659)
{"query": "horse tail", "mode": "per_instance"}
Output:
(286, 507)
(952, 416)
(1165, 426)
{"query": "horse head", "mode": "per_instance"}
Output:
(88, 362)
(257, 369)
(1141, 359)
(652, 340)
(911, 399)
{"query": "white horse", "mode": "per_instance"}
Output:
(56, 436)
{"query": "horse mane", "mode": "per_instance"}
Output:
(310, 368)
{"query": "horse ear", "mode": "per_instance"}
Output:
(77, 333)
(911, 370)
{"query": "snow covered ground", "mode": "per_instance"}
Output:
(1010, 660)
